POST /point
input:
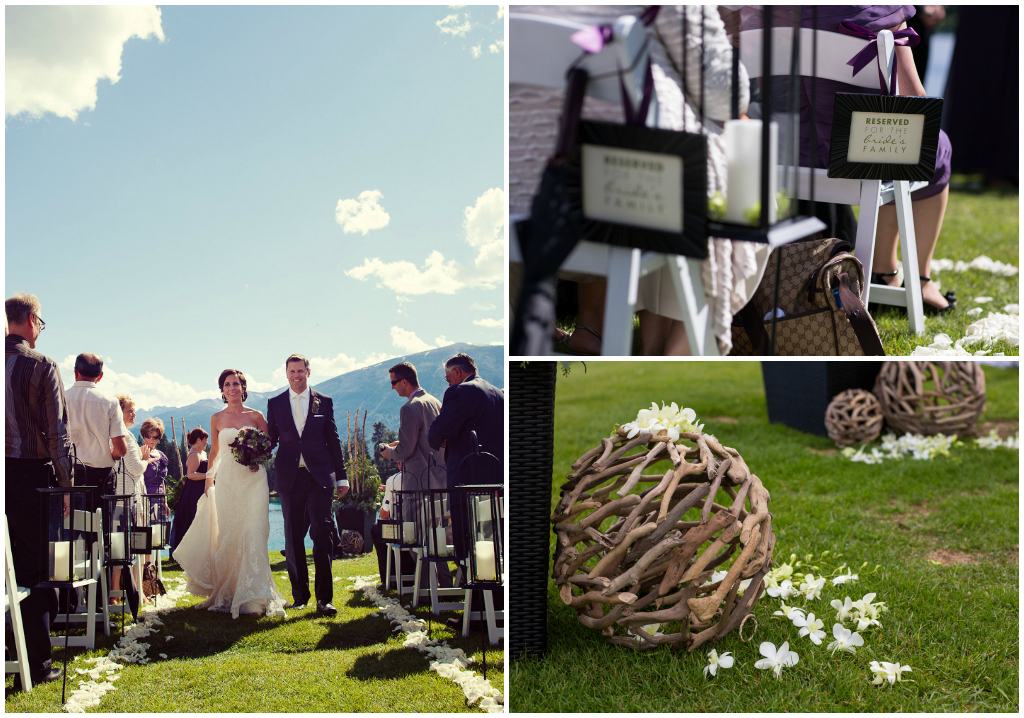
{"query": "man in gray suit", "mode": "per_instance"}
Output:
(415, 418)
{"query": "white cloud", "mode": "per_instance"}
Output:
(362, 214)
(501, 11)
(442, 341)
(477, 50)
(484, 225)
(323, 368)
(450, 25)
(496, 47)
(148, 389)
(479, 307)
(489, 322)
(407, 341)
(56, 55)
(406, 278)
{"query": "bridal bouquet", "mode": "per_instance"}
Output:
(251, 448)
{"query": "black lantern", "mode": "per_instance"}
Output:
(70, 535)
(142, 542)
(434, 525)
(117, 526)
(159, 520)
(406, 511)
(485, 539)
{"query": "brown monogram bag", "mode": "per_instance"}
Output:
(819, 294)
(151, 585)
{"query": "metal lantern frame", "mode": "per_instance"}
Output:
(69, 539)
(404, 515)
(434, 524)
(485, 504)
(159, 518)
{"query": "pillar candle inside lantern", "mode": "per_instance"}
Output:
(61, 557)
(743, 162)
(485, 566)
(442, 541)
(156, 535)
(408, 532)
(117, 546)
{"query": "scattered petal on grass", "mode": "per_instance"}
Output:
(983, 300)
(847, 577)
(811, 627)
(811, 587)
(714, 661)
(846, 640)
(844, 610)
(789, 612)
(785, 590)
(776, 660)
(885, 671)
(976, 311)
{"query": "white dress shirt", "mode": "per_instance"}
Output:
(93, 420)
(300, 407)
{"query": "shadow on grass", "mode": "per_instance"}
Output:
(395, 664)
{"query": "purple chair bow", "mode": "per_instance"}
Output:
(906, 37)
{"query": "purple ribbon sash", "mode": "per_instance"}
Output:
(906, 37)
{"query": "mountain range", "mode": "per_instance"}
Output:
(367, 390)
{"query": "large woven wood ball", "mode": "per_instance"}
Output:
(351, 542)
(925, 397)
(637, 548)
(853, 417)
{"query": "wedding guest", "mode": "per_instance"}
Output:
(156, 469)
(37, 455)
(129, 479)
(195, 485)
(415, 417)
(97, 429)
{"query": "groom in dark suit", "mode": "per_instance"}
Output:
(309, 468)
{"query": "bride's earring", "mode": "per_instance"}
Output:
(224, 398)
(245, 395)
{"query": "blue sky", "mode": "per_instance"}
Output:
(195, 188)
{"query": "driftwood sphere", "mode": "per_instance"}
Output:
(925, 397)
(853, 417)
(626, 560)
(351, 542)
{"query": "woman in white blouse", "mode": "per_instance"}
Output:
(129, 480)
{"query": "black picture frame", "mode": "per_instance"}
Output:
(848, 103)
(691, 148)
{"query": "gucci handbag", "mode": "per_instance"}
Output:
(819, 312)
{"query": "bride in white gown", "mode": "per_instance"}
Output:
(224, 552)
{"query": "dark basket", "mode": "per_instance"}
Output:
(531, 448)
(798, 393)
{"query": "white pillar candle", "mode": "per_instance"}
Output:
(155, 529)
(485, 566)
(61, 556)
(442, 541)
(743, 161)
(117, 546)
(483, 510)
(408, 532)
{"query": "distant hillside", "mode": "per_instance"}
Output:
(367, 389)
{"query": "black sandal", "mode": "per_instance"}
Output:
(879, 277)
(933, 310)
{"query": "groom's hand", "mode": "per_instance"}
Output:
(342, 490)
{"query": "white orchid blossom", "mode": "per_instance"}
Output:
(885, 671)
(789, 612)
(811, 587)
(847, 577)
(714, 661)
(779, 573)
(810, 627)
(651, 629)
(846, 640)
(776, 660)
(785, 590)
(844, 610)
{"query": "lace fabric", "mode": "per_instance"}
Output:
(224, 553)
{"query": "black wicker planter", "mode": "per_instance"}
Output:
(531, 447)
(799, 392)
(356, 520)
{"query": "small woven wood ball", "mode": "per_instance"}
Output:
(627, 559)
(853, 417)
(351, 542)
(924, 397)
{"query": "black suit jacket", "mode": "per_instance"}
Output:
(319, 444)
(473, 405)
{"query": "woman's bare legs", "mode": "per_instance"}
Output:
(662, 336)
(591, 301)
(928, 215)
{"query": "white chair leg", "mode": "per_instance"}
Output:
(908, 250)
(105, 598)
(620, 301)
(90, 625)
(867, 225)
(387, 566)
(693, 305)
(416, 580)
(467, 608)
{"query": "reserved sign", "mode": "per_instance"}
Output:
(885, 138)
(632, 187)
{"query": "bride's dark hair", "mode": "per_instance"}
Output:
(241, 378)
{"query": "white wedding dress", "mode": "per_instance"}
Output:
(224, 552)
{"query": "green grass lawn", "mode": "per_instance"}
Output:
(353, 662)
(977, 222)
(943, 534)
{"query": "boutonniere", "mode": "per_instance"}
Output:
(316, 404)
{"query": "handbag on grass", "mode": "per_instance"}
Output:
(151, 585)
(820, 310)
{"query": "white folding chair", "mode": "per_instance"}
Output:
(490, 616)
(90, 521)
(13, 596)
(540, 52)
(834, 50)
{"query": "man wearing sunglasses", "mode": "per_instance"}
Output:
(415, 418)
